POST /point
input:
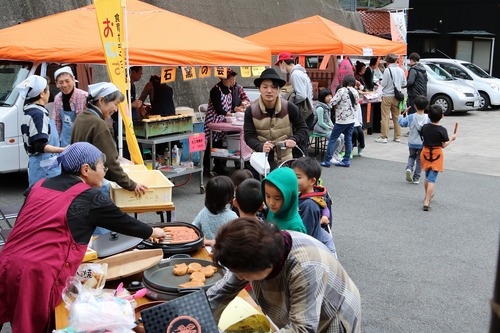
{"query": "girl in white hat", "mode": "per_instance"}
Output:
(40, 137)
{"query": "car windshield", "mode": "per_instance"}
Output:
(476, 70)
(11, 74)
(438, 73)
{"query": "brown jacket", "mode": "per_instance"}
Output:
(90, 128)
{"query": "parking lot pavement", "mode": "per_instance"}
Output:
(476, 150)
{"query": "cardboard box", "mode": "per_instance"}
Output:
(159, 192)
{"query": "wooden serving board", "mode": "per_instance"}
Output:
(131, 262)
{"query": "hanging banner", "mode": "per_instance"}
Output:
(220, 71)
(188, 73)
(167, 74)
(257, 70)
(111, 26)
(204, 71)
(398, 27)
(246, 71)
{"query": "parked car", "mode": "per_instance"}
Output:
(488, 86)
(453, 95)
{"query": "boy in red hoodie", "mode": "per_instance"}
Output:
(313, 204)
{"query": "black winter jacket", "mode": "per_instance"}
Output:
(417, 81)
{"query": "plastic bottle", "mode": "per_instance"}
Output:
(166, 156)
(175, 155)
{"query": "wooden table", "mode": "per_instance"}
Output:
(61, 313)
(150, 209)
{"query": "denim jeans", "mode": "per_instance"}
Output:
(105, 188)
(338, 129)
(414, 160)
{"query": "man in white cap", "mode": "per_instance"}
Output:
(40, 138)
(67, 104)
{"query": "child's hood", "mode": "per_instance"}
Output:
(286, 181)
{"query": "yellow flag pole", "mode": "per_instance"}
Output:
(111, 22)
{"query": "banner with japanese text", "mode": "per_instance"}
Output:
(111, 26)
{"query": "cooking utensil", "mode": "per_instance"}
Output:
(161, 277)
(112, 243)
(178, 247)
(131, 262)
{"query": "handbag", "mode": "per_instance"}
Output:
(397, 93)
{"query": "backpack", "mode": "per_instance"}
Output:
(312, 120)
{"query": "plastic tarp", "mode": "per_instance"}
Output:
(155, 37)
(316, 35)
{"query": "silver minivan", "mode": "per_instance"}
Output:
(488, 86)
(453, 95)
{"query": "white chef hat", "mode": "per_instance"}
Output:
(32, 86)
(101, 89)
(65, 69)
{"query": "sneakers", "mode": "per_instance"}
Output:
(326, 164)
(397, 140)
(381, 140)
(360, 151)
(352, 155)
(343, 164)
(336, 158)
(409, 176)
(416, 181)
(407, 134)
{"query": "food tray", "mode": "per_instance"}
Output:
(158, 126)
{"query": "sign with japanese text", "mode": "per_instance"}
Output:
(257, 70)
(204, 71)
(188, 73)
(110, 23)
(246, 71)
(220, 71)
(196, 142)
(167, 74)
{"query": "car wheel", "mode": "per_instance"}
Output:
(445, 103)
(484, 101)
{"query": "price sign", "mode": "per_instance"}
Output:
(188, 73)
(196, 142)
(246, 71)
(168, 74)
(257, 70)
(204, 71)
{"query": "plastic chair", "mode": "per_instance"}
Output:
(202, 110)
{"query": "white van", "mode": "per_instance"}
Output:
(13, 157)
(488, 86)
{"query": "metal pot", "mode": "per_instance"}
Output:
(169, 249)
(162, 284)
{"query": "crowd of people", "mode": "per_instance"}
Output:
(271, 231)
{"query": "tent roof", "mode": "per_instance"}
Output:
(156, 37)
(316, 35)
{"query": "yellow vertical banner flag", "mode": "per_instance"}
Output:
(110, 23)
(188, 73)
(167, 74)
(246, 71)
(204, 71)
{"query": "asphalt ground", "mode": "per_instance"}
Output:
(416, 271)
